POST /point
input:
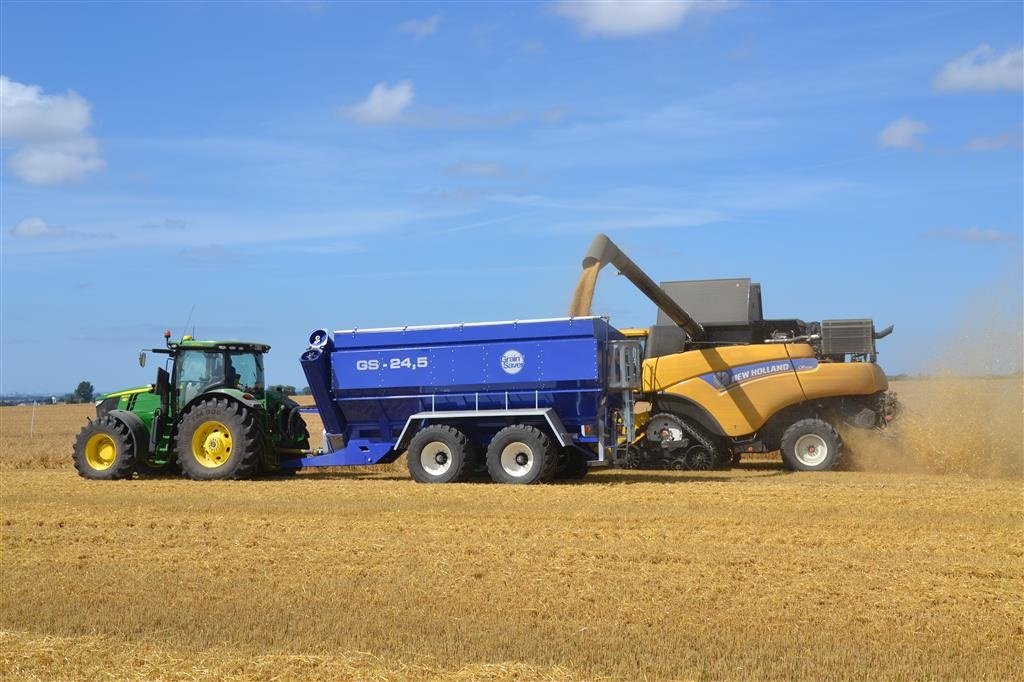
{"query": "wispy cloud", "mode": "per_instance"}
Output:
(628, 18)
(33, 228)
(209, 253)
(902, 133)
(50, 132)
(384, 104)
(421, 28)
(983, 69)
(37, 229)
(485, 169)
(972, 235)
(166, 225)
(1011, 138)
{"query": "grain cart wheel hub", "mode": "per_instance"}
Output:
(211, 444)
(100, 451)
(436, 458)
(517, 459)
(811, 449)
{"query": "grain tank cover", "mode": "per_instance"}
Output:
(716, 301)
(487, 356)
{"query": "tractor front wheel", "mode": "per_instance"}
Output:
(105, 450)
(219, 439)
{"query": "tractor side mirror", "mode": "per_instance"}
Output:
(142, 358)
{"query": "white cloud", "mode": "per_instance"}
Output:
(421, 28)
(972, 235)
(624, 18)
(982, 69)
(1011, 138)
(902, 133)
(35, 227)
(50, 133)
(384, 104)
(478, 168)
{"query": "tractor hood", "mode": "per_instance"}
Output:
(148, 388)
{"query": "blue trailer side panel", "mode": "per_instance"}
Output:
(480, 366)
(368, 383)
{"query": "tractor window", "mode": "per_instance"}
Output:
(198, 370)
(245, 370)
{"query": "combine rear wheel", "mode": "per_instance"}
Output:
(811, 445)
(439, 454)
(219, 439)
(521, 454)
(104, 450)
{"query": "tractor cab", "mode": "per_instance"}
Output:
(198, 367)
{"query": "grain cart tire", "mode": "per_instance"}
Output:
(521, 454)
(219, 439)
(574, 465)
(104, 450)
(439, 454)
(811, 445)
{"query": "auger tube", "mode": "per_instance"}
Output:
(604, 251)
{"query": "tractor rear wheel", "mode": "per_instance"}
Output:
(811, 445)
(439, 454)
(521, 454)
(105, 450)
(219, 439)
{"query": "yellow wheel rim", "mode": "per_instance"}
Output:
(211, 444)
(100, 451)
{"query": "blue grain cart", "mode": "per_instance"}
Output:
(527, 401)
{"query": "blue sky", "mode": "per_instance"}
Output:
(283, 166)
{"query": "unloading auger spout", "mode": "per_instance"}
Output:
(604, 251)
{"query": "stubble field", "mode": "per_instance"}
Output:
(907, 565)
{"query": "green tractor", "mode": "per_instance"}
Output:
(209, 418)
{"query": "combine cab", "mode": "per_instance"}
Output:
(207, 416)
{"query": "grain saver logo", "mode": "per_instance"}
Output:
(512, 361)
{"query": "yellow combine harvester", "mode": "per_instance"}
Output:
(735, 383)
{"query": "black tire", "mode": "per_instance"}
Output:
(802, 443)
(534, 462)
(439, 454)
(573, 465)
(699, 458)
(233, 455)
(104, 450)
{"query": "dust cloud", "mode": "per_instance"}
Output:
(966, 416)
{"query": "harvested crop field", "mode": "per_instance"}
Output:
(741, 574)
